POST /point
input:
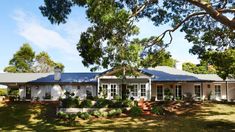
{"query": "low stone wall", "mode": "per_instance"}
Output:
(76, 110)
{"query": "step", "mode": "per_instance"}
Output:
(146, 112)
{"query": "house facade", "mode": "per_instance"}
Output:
(156, 84)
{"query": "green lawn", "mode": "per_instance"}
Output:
(206, 117)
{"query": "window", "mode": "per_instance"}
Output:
(105, 89)
(197, 89)
(113, 90)
(48, 92)
(159, 92)
(143, 89)
(178, 91)
(134, 90)
(217, 91)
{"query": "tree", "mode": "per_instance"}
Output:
(44, 63)
(22, 60)
(202, 68)
(223, 61)
(113, 25)
(160, 58)
(25, 61)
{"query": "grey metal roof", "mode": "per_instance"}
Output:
(46, 77)
(212, 77)
(165, 73)
(160, 73)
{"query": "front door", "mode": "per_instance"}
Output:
(125, 93)
(159, 92)
(28, 93)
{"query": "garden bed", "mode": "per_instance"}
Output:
(89, 110)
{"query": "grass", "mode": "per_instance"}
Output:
(207, 117)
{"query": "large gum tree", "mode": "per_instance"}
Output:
(108, 42)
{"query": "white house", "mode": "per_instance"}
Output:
(151, 84)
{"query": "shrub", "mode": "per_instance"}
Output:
(116, 104)
(77, 101)
(168, 94)
(128, 103)
(102, 103)
(135, 111)
(117, 97)
(62, 115)
(86, 103)
(104, 114)
(158, 110)
(83, 115)
(112, 112)
(118, 111)
(115, 112)
(95, 97)
(97, 113)
(37, 99)
(3, 92)
(68, 103)
(72, 117)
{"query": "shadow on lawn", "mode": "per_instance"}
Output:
(26, 116)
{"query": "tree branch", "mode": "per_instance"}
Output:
(216, 14)
(141, 8)
(169, 31)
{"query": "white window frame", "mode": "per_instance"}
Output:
(216, 92)
(177, 90)
(116, 90)
(106, 88)
(145, 89)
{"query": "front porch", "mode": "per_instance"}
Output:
(184, 90)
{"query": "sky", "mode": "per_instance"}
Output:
(22, 22)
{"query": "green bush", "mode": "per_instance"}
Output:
(68, 103)
(86, 103)
(135, 111)
(72, 117)
(115, 112)
(128, 103)
(112, 112)
(104, 114)
(102, 103)
(116, 104)
(118, 111)
(117, 97)
(62, 115)
(83, 115)
(158, 110)
(77, 101)
(3, 92)
(97, 113)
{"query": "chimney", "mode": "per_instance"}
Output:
(178, 65)
(57, 74)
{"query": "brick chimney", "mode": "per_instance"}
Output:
(57, 74)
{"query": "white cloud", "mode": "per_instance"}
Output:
(62, 39)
